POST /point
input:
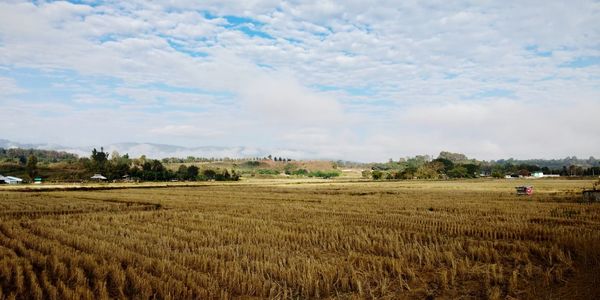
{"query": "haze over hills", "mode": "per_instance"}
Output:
(152, 150)
(159, 151)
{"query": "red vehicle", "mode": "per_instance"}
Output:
(524, 190)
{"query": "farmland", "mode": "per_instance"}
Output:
(301, 239)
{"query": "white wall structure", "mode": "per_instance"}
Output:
(11, 179)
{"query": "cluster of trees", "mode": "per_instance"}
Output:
(19, 156)
(552, 164)
(446, 165)
(436, 169)
(267, 172)
(324, 174)
(277, 158)
(115, 166)
(65, 166)
(193, 159)
(293, 169)
(457, 165)
(29, 164)
(500, 170)
(301, 172)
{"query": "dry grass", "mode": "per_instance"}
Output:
(297, 239)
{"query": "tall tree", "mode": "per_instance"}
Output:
(182, 172)
(99, 159)
(192, 172)
(31, 166)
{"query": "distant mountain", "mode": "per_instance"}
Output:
(156, 151)
(161, 151)
(6, 144)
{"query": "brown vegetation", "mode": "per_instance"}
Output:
(322, 240)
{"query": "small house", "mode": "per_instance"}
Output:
(98, 177)
(538, 174)
(37, 180)
(11, 179)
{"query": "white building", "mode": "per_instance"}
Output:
(538, 174)
(98, 177)
(11, 179)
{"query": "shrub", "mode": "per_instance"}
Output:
(376, 174)
(324, 174)
(267, 172)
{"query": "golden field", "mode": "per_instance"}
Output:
(304, 239)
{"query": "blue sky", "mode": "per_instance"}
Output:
(331, 79)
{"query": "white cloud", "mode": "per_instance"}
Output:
(186, 131)
(8, 86)
(359, 80)
(282, 100)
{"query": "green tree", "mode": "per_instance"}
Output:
(458, 172)
(118, 166)
(497, 174)
(99, 160)
(376, 174)
(430, 170)
(31, 166)
(289, 169)
(366, 173)
(454, 157)
(182, 172)
(209, 174)
(472, 170)
(497, 171)
(192, 172)
(448, 164)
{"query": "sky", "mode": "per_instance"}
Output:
(355, 80)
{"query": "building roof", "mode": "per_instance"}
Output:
(98, 176)
(10, 178)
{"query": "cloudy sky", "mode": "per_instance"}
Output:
(347, 79)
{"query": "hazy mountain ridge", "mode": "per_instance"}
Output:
(157, 151)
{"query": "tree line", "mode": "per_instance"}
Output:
(458, 165)
(116, 166)
(69, 167)
(19, 156)
(193, 159)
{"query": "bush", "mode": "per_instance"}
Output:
(300, 172)
(376, 174)
(324, 174)
(497, 174)
(217, 175)
(267, 172)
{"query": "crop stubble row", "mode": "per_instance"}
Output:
(343, 241)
